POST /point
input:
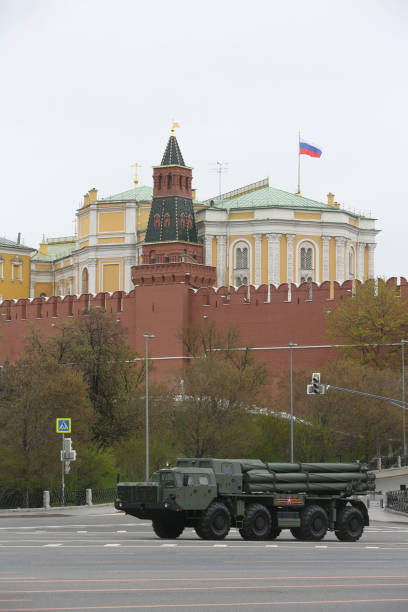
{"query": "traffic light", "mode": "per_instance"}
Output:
(316, 382)
(68, 454)
(315, 388)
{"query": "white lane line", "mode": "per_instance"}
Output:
(121, 531)
(371, 547)
(111, 545)
(167, 545)
(220, 545)
(271, 545)
(82, 531)
(321, 546)
(52, 545)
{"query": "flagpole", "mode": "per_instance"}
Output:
(298, 190)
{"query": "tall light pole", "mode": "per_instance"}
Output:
(404, 436)
(291, 345)
(147, 337)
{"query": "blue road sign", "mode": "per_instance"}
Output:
(63, 426)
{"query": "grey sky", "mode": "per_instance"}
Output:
(90, 87)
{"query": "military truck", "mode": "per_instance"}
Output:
(259, 499)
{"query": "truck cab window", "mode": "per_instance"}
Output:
(203, 479)
(167, 478)
(226, 468)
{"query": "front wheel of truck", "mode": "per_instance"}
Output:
(168, 530)
(215, 522)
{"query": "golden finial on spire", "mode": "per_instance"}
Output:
(174, 125)
(136, 166)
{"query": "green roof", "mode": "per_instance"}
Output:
(56, 251)
(172, 155)
(10, 244)
(269, 197)
(143, 193)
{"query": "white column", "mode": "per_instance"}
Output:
(91, 265)
(208, 241)
(340, 244)
(221, 259)
(130, 223)
(326, 259)
(371, 248)
(289, 241)
(274, 258)
(258, 258)
(360, 260)
(129, 262)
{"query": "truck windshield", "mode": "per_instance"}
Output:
(167, 478)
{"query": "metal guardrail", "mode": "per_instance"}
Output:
(11, 499)
(386, 463)
(397, 500)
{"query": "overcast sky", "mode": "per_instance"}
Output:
(89, 87)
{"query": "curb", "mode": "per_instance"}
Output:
(51, 509)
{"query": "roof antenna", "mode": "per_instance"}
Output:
(19, 238)
(220, 169)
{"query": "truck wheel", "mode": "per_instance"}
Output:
(313, 523)
(169, 530)
(296, 532)
(257, 523)
(274, 532)
(349, 525)
(215, 522)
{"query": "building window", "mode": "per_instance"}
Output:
(182, 220)
(181, 182)
(17, 270)
(241, 268)
(156, 220)
(169, 180)
(306, 267)
(190, 221)
(166, 220)
(84, 284)
(1, 268)
(160, 181)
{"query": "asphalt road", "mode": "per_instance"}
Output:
(98, 559)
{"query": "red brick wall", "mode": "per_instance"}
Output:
(163, 309)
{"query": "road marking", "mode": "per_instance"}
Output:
(372, 547)
(321, 546)
(121, 531)
(271, 545)
(52, 545)
(168, 545)
(220, 545)
(82, 531)
(110, 545)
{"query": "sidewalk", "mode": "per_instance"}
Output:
(387, 516)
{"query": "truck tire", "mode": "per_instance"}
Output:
(313, 524)
(350, 524)
(274, 532)
(257, 523)
(168, 530)
(215, 522)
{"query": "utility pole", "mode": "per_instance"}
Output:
(147, 338)
(291, 345)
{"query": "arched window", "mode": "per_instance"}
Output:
(186, 182)
(84, 283)
(169, 180)
(166, 220)
(306, 263)
(190, 221)
(156, 220)
(241, 271)
(160, 181)
(181, 182)
(182, 220)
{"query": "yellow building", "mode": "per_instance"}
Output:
(259, 234)
(14, 269)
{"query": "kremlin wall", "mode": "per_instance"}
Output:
(164, 304)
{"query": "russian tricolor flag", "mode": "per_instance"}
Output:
(307, 148)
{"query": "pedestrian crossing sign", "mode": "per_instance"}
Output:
(64, 426)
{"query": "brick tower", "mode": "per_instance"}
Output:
(171, 235)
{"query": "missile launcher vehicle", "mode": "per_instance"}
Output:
(259, 499)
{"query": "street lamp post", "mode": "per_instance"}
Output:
(291, 345)
(147, 337)
(404, 435)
